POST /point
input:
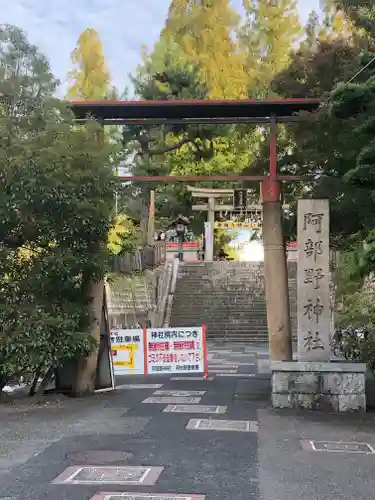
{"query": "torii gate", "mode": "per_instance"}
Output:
(212, 207)
(269, 111)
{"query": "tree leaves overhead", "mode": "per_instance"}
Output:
(328, 144)
(361, 12)
(205, 32)
(268, 36)
(168, 74)
(90, 79)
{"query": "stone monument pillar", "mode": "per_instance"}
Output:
(314, 308)
(315, 381)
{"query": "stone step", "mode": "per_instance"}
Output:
(224, 311)
(228, 334)
(213, 330)
(213, 302)
(247, 288)
(239, 320)
(223, 300)
(224, 318)
(228, 297)
(223, 315)
(240, 340)
(257, 301)
(224, 308)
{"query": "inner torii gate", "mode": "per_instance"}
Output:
(265, 112)
(211, 207)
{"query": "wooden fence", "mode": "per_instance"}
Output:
(139, 260)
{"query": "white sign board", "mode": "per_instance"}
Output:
(159, 351)
(128, 352)
(176, 350)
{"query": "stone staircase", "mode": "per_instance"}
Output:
(228, 297)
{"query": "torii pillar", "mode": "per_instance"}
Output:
(275, 261)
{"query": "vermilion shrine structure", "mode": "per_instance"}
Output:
(266, 112)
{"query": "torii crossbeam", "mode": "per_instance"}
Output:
(269, 111)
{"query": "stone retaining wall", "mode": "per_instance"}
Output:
(332, 386)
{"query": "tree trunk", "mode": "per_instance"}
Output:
(45, 381)
(145, 215)
(3, 383)
(34, 385)
(86, 371)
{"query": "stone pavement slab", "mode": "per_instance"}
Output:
(206, 424)
(172, 400)
(138, 386)
(195, 409)
(192, 378)
(145, 496)
(178, 393)
(114, 475)
(221, 370)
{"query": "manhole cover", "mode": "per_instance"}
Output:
(337, 446)
(169, 400)
(109, 475)
(222, 425)
(145, 496)
(194, 409)
(99, 456)
(179, 393)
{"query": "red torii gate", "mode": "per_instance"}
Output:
(266, 112)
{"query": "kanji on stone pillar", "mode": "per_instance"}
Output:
(314, 314)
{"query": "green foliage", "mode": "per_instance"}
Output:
(57, 189)
(270, 32)
(355, 296)
(358, 101)
(123, 236)
(205, 32)
(168, 73)
(348, 100)
(311, 32)
(324, 146)
(222, 238)
(361, 12)
(90, 79)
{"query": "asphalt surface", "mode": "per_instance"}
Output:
(39, 442)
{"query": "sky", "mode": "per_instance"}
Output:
(124, 26)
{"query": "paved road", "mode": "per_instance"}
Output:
(43, 442)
